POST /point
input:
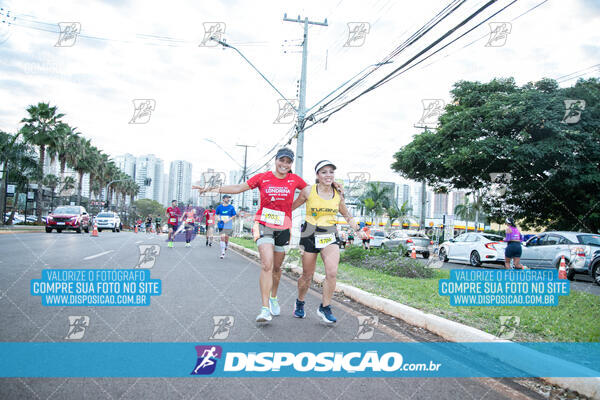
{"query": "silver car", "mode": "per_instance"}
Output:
(546, 249)
(409, 238)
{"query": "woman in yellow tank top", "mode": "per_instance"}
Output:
(319, 235)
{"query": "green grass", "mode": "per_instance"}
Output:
(575, 319)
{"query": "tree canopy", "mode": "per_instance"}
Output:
(550, 153)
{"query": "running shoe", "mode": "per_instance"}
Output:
(264, 316)
(188, 245)
(299, 309)
(222, 255)
(326, 314)
(274, 306)
(170, 244)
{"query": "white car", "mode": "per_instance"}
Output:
(474, 249)
(108, 220)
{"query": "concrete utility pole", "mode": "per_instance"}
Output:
(302, 98)
(244, 170)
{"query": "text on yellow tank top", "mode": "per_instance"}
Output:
(321, 212)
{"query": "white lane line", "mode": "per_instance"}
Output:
(98, 255)
(139, 241)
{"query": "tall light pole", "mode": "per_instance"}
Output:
(302, 97)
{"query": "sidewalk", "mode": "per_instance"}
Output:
(21, 229)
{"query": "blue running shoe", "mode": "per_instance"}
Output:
(326, 314)
(299, 309)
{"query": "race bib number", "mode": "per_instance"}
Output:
(322, 241)
(210, 221)
(172, 220)
(224, 218)
(273, 217)
(190, 220)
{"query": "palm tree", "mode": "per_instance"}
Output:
(465, 211)
(20, 164)
(380, 195)
(83, 162)
(398, 213)
(39, 130)
(370, 207)
(51, 181)
(65, 144)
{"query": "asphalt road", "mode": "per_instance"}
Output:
(197, 286)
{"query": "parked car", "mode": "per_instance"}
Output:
(68, 217)
(474, 248)
(108, 220)
(595, 267)
(409, 238)
(545, 250)
(377, 238)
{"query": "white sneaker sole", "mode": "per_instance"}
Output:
(324, 318)
(263, 319)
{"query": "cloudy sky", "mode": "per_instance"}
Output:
(142, 50)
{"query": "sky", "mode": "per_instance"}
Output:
(201, 95)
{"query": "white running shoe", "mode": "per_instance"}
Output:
(264, 316)
(274, 306)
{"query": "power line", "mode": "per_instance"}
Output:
(398, 71)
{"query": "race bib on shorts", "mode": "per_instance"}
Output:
(172, 220)
(273, 217)
(210, 221)
(190, 220)
(322, 241)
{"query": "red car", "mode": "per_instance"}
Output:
(68, 217)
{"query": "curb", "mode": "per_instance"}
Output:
(449, 330)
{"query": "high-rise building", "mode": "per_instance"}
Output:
(165, 200)
(440, 205)
(180, 181)
(126, 163)
(158, 177)
(148, 174)
(241, 200)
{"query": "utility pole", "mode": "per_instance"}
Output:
(302, 97)
(244, 170)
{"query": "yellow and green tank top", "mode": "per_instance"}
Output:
(321, 212)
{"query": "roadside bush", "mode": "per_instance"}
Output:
(391, 262)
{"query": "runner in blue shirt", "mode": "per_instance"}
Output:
(225, 213)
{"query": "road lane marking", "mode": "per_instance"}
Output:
(98, 255)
